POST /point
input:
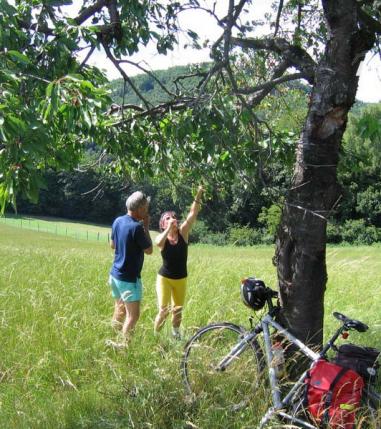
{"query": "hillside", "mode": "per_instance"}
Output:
(150, 87)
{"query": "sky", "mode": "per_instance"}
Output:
(369, 89)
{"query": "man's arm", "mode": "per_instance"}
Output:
(147, 250)
(112, 244)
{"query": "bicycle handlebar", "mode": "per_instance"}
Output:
(272, 293)
(350, 323)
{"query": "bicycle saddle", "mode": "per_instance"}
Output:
(351, 323)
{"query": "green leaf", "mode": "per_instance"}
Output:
(49, 89)
(19, 57)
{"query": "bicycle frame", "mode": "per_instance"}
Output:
(278, 403)
(291, 400)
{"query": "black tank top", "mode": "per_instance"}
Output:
(174, 259)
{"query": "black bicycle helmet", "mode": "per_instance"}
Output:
(253, 293)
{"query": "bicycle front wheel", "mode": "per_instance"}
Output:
(231, 385)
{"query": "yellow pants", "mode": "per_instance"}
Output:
(170, 291)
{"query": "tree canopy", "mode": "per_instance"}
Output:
(54, 105)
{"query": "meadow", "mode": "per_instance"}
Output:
(55, 309)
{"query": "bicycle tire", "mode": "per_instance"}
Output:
(369, 414)
(236, 385)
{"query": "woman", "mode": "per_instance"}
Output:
(172, 277)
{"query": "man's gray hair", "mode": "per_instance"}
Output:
(136, 200)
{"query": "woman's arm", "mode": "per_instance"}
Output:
(160, 239)
(186, 226)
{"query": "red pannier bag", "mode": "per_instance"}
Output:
(333, 394)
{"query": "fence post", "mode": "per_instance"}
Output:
(98, 235)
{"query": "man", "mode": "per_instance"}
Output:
(130, 238)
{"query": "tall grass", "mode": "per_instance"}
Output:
(55, 309)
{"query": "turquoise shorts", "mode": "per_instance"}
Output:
(126, 291)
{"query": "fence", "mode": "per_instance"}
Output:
(56, 228)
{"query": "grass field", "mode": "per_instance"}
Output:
(54, 316)
(58, 226)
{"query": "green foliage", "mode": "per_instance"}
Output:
(199, 232)
(52, 106)
(333, 233)
(369, 204)
(47, 113)
(362, 140)
(359, 169)
(353, 231)
(235, 235)
(270, 218)
(357, 232)
(243, 236)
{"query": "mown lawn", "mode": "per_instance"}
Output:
(55, 308)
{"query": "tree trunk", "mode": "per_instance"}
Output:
(301, 240)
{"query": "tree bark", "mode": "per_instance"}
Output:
(301, 240)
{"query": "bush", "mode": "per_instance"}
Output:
(333, 233)
(357, 232)
(244, 236)
(270, 218)
(215, 238)
(199, 232)
(267, 238)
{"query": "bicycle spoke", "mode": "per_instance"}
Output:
(236, 384)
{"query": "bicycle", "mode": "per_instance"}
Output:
(215, 366)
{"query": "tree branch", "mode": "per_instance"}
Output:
(294, 55)
(117, 108)
(124, 74)
(115, 20)
(270, 84)
(92, 49)
(87, 13)
(280, 8)
(162, 86)
(278, 72)
(369, 21)
(161, 109)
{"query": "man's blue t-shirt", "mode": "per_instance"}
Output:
(130, 241)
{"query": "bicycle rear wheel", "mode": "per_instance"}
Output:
(369, 415)
(236, 384)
